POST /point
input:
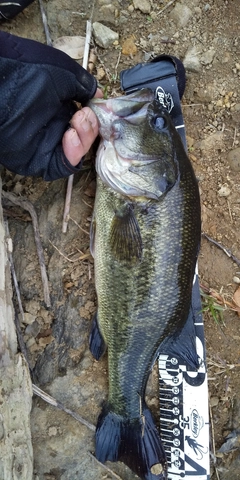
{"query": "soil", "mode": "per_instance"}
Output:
(57, 337)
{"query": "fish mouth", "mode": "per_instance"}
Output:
(125, 106)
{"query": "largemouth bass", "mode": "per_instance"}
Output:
(145, 240)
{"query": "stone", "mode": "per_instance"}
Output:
(33, 329)
(129, 47)
(181, 14)
(212, 142)
(233, 158)
(206, 94)
(207, 57)
(103, 35)
(29, 318)
(143, 5)
(191, 61)
(214, 401)
(224, 191)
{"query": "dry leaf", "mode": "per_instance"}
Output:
(236, 298)
(73, 46)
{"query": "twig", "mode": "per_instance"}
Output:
(166, 6)
(225, 250)
(83, 256)
(45, 24)
(26, 205)
(70, 179)
(227, 366)
(105, 467)
(118, 60)
(14, 277)
(55, 403)
(16, 317)
(87, 44)
(191, 104)
(234, 137)
(67, 203)
(60, 253)
(213, 440)
(79, 226)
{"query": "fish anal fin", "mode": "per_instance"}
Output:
(125, 235)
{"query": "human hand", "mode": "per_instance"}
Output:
(38, 85)
(78, 139)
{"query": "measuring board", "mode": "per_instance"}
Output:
(184, 417)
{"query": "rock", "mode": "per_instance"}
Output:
(29, 318)
(233, 158)
(214, 401)
(129, 47)
(212, 142)
(103, 35)
(207, 57)
(206, 94)
(100, 76)
(181, 14)
(43, 341)
(33, 329)
(32, 306)
(143, 5)
(191, 61)
(103, 2)
(232, 442)
(52, 431)
(224, 191)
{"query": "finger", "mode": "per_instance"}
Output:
(77, 140)
(99, 93)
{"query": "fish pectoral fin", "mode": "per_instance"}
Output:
(125, 235)
(97, 344)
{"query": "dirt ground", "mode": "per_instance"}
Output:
(57, 338)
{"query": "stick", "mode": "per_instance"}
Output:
(213, 440)
(166, 6)
(29, 207)
(52, 401)
(45, 24)
(16, 318)
(224, 249)
(70, 179)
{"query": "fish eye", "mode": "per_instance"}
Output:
(159, 123)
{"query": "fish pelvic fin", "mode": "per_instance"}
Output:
(136, 442)
(97, 344)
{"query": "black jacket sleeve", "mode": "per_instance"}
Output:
(11, 9)
(37, 87)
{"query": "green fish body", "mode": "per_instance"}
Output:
(145, 242)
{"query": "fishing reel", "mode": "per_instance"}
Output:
(165, 76)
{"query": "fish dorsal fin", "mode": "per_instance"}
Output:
(125, 236)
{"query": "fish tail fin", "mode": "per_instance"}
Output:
(136, 442)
